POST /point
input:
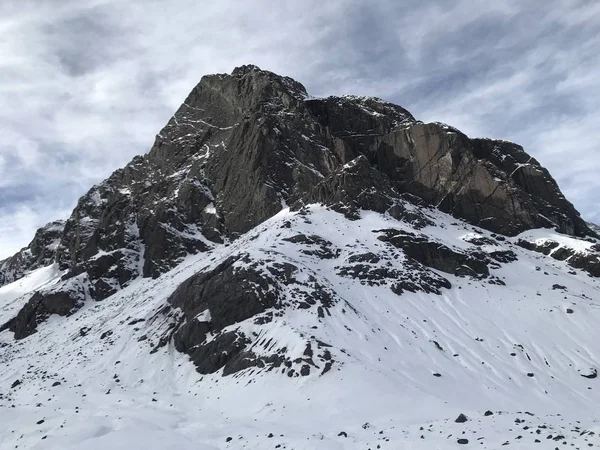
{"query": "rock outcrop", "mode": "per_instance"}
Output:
(40, 252)
(436, 255)
(63, 299)
(587, 260)
(207, 309)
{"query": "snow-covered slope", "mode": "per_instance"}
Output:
(14, 295)
(497, 328)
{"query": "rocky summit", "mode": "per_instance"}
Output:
(343, 272)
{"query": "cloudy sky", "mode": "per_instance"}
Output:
(86, 84)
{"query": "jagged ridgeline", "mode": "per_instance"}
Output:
(244, 146)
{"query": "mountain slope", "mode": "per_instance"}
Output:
(383, 349)
(287, 271)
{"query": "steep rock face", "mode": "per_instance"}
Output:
(490, 183)
(355, 185)
(493, 184)
(142, 219)
(239, 148)
(353, 125)
(40, 252)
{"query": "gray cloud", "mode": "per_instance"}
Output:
(85, 85)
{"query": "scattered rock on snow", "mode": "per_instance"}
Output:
(461, 418)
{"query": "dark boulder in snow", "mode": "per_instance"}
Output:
(461, 418)
(593, 374)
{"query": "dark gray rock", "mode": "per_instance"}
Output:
(39, 307)
(369, 257)
(247, 293)
(480, 241)
(315, 245)
(40, 252)
(588, 261)
(461, 418)
(593, 374)
(546, 248)
(562, 253)
(408, 277)
(355, 185)
(493, 184)
(436, 255)
(503, 256)
(236, 290)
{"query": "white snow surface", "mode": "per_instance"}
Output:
(542, 236)
(381, 392)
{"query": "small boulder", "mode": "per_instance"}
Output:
(461, 418)
(593, 374)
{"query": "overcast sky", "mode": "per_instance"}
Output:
(86, 84)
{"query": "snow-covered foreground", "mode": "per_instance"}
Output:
(406, 365)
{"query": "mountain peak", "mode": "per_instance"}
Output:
(258, 74)
(302, 257)
(244, 146)
(245, 69)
